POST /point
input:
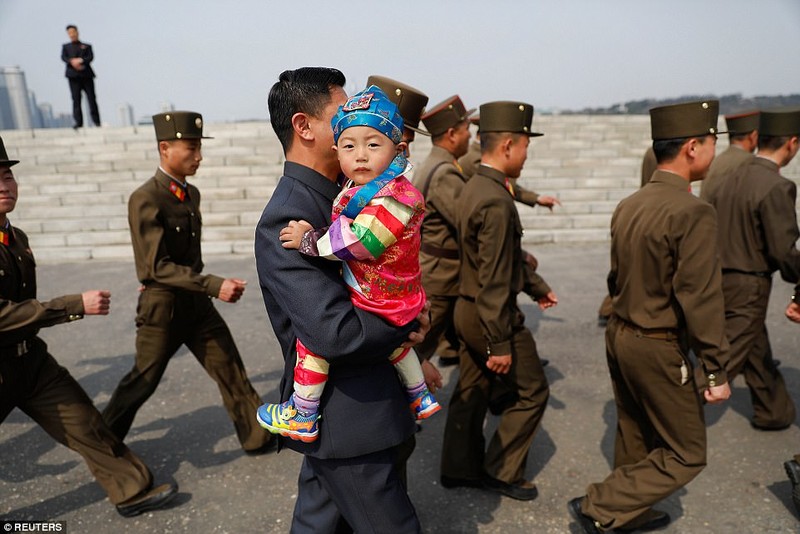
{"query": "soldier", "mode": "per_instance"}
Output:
(665, 285)
(440, 180)
(410, 102)
(743, 139)
(490, 326)
(175, 305)
(757, 235)
(32, 380)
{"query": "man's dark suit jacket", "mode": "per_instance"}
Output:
(82, 50)
(364, 408)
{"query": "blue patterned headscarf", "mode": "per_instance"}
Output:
(371, 107)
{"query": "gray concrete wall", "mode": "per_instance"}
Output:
(74, 186)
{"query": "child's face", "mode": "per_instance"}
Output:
(364, 153)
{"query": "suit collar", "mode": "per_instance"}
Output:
(312, 179)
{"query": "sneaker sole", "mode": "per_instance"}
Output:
(429, 411)
(305, 437)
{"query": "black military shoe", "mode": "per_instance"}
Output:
(650, 520)
(793, 471)
(586, 523)
(151, 499)
(522, 491)
(452, 482)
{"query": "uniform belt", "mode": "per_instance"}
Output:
(760, 274)
(18, 349)
(664, 334)
(449, 253)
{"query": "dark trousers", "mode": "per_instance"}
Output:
(660, 443)
(47, 393)
(464, 454)
(165, 321)
(76, 85)
(363, 492)
(442, 328)
(746, 301)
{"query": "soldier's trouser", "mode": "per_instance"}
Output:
(660, 442)
(463, 453)
(47, 393)
(441, 327)
(165, 321)
(746, 301)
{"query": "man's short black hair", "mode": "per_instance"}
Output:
(772, 142)
(667, 149)
(72, 26)
(490, 140)
(304, 90)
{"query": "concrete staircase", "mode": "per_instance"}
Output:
(74, 186)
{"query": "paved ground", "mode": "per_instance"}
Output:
(183, 431)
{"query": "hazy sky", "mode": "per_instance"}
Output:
(220, 58)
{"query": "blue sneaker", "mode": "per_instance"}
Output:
(284, 419)
(424, 405)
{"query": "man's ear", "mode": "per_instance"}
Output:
(691, 147)
(163, 146)
(401, 147)
(506, 144)
(302, 126)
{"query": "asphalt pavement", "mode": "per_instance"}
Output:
(183, 432)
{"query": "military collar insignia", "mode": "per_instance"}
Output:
(178, 190)
(6, 234)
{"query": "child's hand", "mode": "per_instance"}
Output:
(291, 235)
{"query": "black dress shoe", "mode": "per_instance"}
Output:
(448, 361)
(151, 499)
(650, 520)
(524, 491)
(452, 482)
(586, 523)
(769, 428)
(264, 449)
(793, 472)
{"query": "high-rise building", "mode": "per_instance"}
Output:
(126, 115)
(15, 106)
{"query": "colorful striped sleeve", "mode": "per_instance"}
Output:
(377, 227)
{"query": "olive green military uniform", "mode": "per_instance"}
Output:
(32, 380)
(649, 165)
(488, 321)
(665, 284)
(175, 309)
(440, 180)
(722, 167)
(757, 236)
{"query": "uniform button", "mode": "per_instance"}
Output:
(24, 284)
(192, 214)
(19, 258)
(177, 228)
(712, 376)
(75, 317)
(193, 234)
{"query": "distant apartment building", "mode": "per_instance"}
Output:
(15, 104)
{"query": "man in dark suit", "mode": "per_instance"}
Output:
(348, 473)
(78, 57)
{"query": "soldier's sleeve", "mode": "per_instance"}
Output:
(152, 257)
(780, 230)
(32, 315)
(446, 185)
(532, 282)
(495, 270)
(697, 284)
(528, 198)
